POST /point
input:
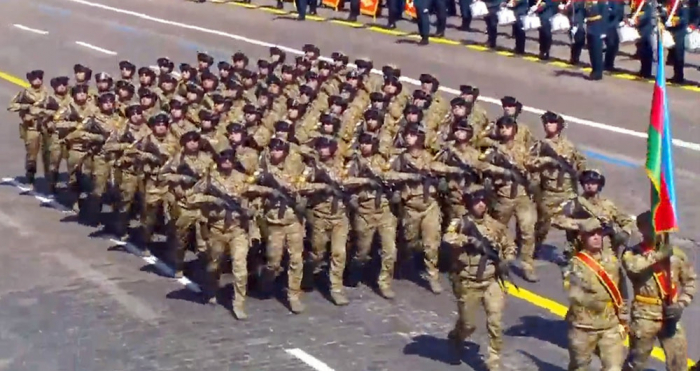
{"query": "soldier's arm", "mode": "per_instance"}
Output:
(579, 161)
(507, 243)
(575, 283)
(620, 218)
(687, 278)
(15, 106)
(453, 236)
(638, 263)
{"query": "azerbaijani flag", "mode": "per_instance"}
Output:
(659, 165)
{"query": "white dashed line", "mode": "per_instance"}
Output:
(131, 248)
(34, 30)
(96, 48)
(592, 124)
(310, 360)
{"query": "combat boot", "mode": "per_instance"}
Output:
(238, 309)
(386, 292)
(435, 286)
(31, 177)
(53, 182)
(295, 304)
(356, 269)
(339, 298)
(529, 273)
(265, 281)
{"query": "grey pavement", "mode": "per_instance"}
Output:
(71, 302)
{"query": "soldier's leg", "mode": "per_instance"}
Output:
(579, 39)
(519, 36)
(77, 182)
(100, 176)
(675, 346)
(611, 349)
(295, 248)
(494, 300)
(545, 36)
(354, 10)
(149, 217)
(184, 224)
(200, 232)
(466, 13)
(441, 16)
(612, 47)
(239, 257)
(503, 210)
(491, 21)
(220, 241)
(595, 53)
(525, 214)
(320, 229)
(678, 54)
(411, 231)
(339, 237)
(32, 145)
(274, 252)
(57, 152)
(387, 253)
(365, 228)
(46, 153)
(549, 204)
(645, 49)
(582, 344)
(468, 299)
(127, 191)
(422, 11)
(642, 337)
(430, 230)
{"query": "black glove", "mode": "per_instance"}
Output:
(673, 311)
(443, 186)
(503, 266)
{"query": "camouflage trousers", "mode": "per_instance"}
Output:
(58, 151)
(290, 236)
(584, 342)
(233, 241)
(488, 295)
(423, 231)
(643, 334)
(35, 142)
(101, 175)
(185, 220)
(383, 223)
(525, 216)
(335, 231)
(156, 200)
(547, 207)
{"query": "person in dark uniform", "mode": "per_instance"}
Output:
(520, 8)
(491, 20)
(592, 21)
(677, 24)
(612, 40)
(644, 22)
(423, 8)
(546, 10)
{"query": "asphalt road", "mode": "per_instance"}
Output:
(72, 302)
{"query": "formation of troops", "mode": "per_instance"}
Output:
(591, 23)
(315, 169)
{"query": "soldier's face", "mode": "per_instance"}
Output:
(225, 73)
(275, 57)
(107, 105)
(372, 123)
(136, 118)
(80, 76)
(146, 101)
(145, 79)
(328, 128)
(325, 152)
(312, 83)
(390, 89)
(303, 99)
(81, 97)
(645, 230)
(336, 110)
(345, 94)
(250, 117)
(61, 89)
(419, 103)
(103, 85)
(160, 129)
(203, 65)
(506, 131)
(235, 137)
(378, 105)
(123, 93)
(293, 113)
(325, 72)
(352, 82)
(274, 89)
(551, 128)
(479, 209)
(462, 135)
(593, 241)
(167, 86)
(186, 74)
(191, 96)
(206, 124)
(277, 154)
(411, 139)
(590, 187)
(219, 107)
(192, 145)
(509, 110)
(412, 117)
(208, 84)
(467, 97)
(176, 113)
(263, 101)
(36, 82)
(427, 87)
(287, 76)
(240, 64)
(459, 111)
(264, 71)
(126, 73)
(226, 164)
(164, 70)
(366, 148)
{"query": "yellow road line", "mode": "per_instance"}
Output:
(552, 306)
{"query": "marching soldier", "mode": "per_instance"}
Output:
(598, 312)
(127, 71)
(182, 172)
(328, 216)
(558, 164)
(510, 163)
(54, 102)
(284, 216)
(664, 284)
(26, 103)
(475, 238)
(421, 219)
(82, 75)
(591, 205)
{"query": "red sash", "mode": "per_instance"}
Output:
(604, 278)
(668, 289)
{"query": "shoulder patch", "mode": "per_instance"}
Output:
(452, 227)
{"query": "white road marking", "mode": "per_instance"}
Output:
(596, 125)
(310, 360)
(97, 48)
(134, 306)
(11, 223)
(25, 28)
(151, 260)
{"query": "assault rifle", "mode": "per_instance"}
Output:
(283, 195)
(563, 165)
(231, 204)
(495, 157)
(488, 252)
(336, 189)
(377, 183)
(427, 177)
